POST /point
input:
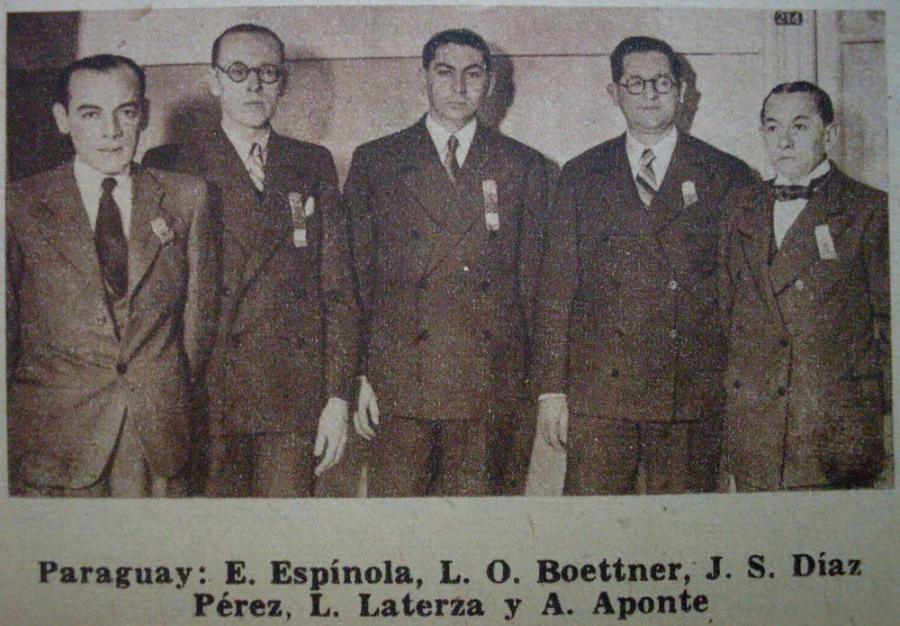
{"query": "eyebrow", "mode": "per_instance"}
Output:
(453, 67)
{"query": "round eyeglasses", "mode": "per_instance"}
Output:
(267, 73)
(636, 85)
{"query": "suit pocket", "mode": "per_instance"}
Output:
(849, 437)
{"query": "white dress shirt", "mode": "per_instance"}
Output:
(242, 140)
(440, 136)
(662, 152)
(786, 212)
(90, 183)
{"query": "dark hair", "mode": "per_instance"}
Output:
(642, 44)
(97, 63)
(461, 37)
(823, 102)
(252, 29)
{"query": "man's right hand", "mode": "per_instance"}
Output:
(553, 421)
(366, 414)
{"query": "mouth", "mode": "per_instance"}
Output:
(115, 150)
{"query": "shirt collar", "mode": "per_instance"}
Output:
(242, 140)
(818, 171)
(662, 151)
(89, 179)
(440, 136)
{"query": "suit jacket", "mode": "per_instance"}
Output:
(288, 324)
(808, 373)
(627, 317)
(76, 365)
(447, 302)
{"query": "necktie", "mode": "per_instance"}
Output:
(255, 167)
(450, 162)
(646, 179)
(109, 240)
(786, 193)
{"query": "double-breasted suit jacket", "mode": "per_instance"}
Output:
(288, 320)
(627, 316)
(447, 301)
(75, 364)
(808, 374)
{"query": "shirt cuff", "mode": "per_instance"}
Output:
(551, 396)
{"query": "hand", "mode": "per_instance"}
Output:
(553, 421)
(367, 412)
(331, 437)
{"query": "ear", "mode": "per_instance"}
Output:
(212, 83)
(831, 135)
(613, 93)
(490, 86)
(62, 118)
(145, 114)
(682, 91)
(423, 79)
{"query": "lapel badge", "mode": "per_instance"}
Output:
(491, 205)
(310, 207)
(825, 243)
(688, 193)
(300, 238)
(295, 200)
(162, 230)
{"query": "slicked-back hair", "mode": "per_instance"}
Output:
(641, 43)
(821, 98)
(97, 63)
(246, 29)
(460, 37)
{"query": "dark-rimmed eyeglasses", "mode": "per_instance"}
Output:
(662, 84)
(267, 73)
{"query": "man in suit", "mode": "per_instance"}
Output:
(805, 291)
(446, 224)
(629, 356)
(110, 302)
(286, 339)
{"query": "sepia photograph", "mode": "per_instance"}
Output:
(364, 301)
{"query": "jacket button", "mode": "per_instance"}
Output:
(414, 234)
(615, 373)
(422, 336)
(422, 283)
(234, 341)
(121, 368)
(484, 285)
(781, 391)
(799, 285)
(673, 334)
(673, 284)
(226, 290)
(737, 384)
(784, 343)
(488, 335)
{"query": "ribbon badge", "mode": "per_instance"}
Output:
(299, 212)
(162, 230)
(689, 193)
(491, 205)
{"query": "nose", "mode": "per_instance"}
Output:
(459, 84)
(254, 85)
(785, 140)
(112, 128)
(650, 92)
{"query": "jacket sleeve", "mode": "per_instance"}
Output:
(559, 276)
(204, 282)
(877, 265)
(14, 263)
(338, 290)
(363, 242)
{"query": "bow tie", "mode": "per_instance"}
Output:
(786, 193)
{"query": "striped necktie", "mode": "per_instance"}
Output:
(646, 179)
(451, 164)
(255, 167)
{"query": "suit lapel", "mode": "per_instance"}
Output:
(65, 224)
(143, 242)
(271, 222)
(668, 203)
(466, 199)
(425, 176)
(799, 249)
(754, 229)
